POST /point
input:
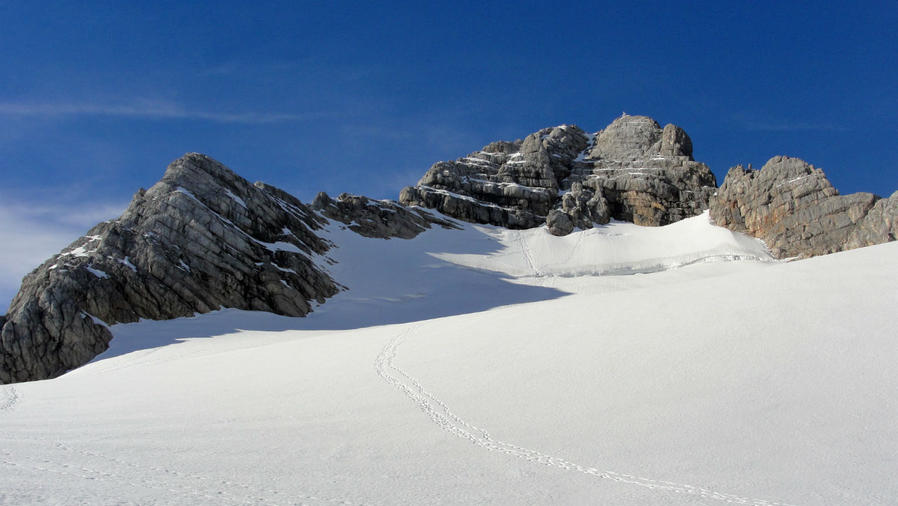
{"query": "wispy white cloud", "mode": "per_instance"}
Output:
(66, 215)
(148, 110)
(32, 233)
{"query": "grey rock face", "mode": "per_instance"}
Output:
(646, 173)
(796, 211)
(632, 170)
(201, 239)
(585, 206)
(381, 219)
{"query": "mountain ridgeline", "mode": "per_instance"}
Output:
(201, 239)
(204, 238)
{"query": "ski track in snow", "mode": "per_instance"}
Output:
(440, 414)
(528, 256)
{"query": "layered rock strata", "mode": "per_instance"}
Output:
(201, 239)
(633, 170)
(797, 212)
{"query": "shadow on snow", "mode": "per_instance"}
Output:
(389, 282)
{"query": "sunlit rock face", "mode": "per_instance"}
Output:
(797, 212)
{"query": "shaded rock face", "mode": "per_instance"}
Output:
(632, 170)
(796, 211)
(201, 239)
(381, 219)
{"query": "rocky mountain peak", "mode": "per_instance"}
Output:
(632, 170)
(200, 239)
(627, 138)
(639, 137)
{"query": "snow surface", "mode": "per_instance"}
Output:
(97, 272)
(489, 366)
(127, 263)
(235, 198)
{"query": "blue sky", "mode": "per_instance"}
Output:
(96, 98)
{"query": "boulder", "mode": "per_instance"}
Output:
(559, 223)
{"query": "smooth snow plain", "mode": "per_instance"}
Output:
(620, 365)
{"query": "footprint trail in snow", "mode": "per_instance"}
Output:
(447, 420)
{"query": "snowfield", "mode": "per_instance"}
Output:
(620, 365)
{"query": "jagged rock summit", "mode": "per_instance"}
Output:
(633, 170)
(201, 239)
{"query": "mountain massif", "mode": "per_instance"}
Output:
(204, 238)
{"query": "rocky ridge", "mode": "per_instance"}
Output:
(201, 239)
(633, 170)
(797, 212)
(376, 218)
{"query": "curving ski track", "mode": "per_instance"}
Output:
(528, 256)
(447, 420)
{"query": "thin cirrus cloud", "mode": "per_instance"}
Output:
(148, 110)
(32, 233)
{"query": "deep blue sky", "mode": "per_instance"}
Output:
(96, 98)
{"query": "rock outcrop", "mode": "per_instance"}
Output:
(201, 239)
(381, 219)
(797, 212)
(879, 226)
(632, 170)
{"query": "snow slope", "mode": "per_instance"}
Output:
(484, 366)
